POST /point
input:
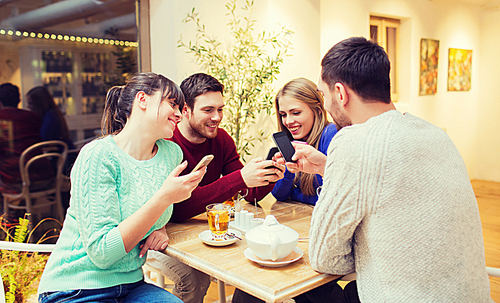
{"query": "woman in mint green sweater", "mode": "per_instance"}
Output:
(122, 190)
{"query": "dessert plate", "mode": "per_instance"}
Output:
(206, 237)
(295, 255)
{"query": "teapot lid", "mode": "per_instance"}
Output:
(271, 224)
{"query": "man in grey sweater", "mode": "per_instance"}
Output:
(396, 206)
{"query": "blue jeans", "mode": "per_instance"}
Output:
(133, 292)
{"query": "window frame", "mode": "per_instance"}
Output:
(382, 24)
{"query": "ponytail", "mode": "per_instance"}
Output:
(120, 99)
(113, 119)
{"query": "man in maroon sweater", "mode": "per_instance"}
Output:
(19, 129)
(198, 134)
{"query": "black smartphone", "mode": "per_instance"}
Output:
(272, 152)
(285, 146)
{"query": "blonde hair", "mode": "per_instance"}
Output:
(306, 91)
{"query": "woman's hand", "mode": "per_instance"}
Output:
(157, 240)
(178, 188)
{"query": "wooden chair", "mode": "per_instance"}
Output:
(153, 270)
(6, 245)
(46, 192)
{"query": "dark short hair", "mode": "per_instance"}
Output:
(9, 95)
(199, 84)
(360, 64)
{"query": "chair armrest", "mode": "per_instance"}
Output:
(26, 246)
(493, 272)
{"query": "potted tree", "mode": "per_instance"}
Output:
(247, 67)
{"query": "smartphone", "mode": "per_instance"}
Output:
(203, 162)
(284, 145)
(271, 153)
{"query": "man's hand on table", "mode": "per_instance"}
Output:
(308, 159)
(157, 240)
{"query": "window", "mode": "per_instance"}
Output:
(385, 32)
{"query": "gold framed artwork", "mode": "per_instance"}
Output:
(459, 69)
(429, 57)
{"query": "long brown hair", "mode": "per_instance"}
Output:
(306, 91)
(41, 101)
(120, 99)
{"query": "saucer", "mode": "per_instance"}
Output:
(295, 255)
(206, 237)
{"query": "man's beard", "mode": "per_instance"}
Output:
(340, 119)
(199, 130)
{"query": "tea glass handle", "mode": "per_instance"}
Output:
(274, 247)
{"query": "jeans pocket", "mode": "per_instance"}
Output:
(59, 296)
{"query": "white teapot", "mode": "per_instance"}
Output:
(271, 240)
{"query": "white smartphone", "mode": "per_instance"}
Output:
(203, 162)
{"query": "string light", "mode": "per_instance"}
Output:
(67, 38)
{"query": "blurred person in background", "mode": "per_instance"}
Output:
(19, 129)
(54, 126)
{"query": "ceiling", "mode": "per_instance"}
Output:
(485, 4)
(112, 19)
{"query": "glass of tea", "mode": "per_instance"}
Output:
(218, 220)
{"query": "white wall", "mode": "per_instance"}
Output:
(300, 16)
(454, 25)
(9, 64)
(472, 119)
(488, 129)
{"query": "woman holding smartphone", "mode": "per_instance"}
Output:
(123, 186)
(301, 114)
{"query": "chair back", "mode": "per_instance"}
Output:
(40, 158)
(41, 167)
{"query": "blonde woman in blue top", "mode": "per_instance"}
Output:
(122, 190)
(301, 114)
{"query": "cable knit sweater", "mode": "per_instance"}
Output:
(107, 186)
(398, 208)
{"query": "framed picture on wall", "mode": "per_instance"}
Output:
(429, 57)
(459, 69)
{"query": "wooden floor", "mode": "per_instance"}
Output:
(488, 199)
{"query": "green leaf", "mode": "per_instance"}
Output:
(246, 67)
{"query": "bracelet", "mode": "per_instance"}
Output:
(318, 190)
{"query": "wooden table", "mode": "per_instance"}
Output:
(229, 265)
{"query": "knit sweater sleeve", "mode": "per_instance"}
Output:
(337, 213)
(222, 180)
(96, 203)
(213, 188)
